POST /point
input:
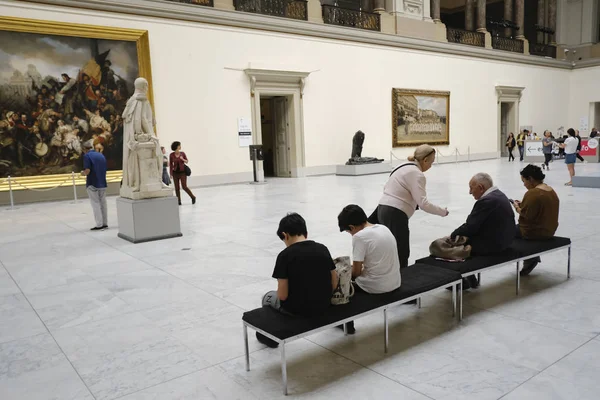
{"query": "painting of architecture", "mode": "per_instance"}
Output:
(57, 92)
(420, 116)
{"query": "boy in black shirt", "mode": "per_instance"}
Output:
(305, 274)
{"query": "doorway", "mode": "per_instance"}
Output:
(507, 124)
(595, 111)
(509, 98)
(275, 135)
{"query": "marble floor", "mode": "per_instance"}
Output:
(86, 315)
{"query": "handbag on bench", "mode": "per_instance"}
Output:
(345, 289)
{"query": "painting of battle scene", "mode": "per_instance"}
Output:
(419, 117)
(57, 92)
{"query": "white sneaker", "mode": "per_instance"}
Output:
(585, 161)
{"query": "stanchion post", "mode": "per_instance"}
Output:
(74, 187)
(255, 164)
(10, 193)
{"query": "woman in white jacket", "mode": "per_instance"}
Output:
(403, 194)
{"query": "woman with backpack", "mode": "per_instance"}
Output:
(403, 194)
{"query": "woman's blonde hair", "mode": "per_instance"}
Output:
(422, 152)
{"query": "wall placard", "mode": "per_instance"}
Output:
(584, 126)
(245, 132)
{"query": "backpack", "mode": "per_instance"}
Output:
(345, 289)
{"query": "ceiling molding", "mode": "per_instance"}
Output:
(209, 15)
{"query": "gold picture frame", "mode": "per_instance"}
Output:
(53, 28)
(420, 117)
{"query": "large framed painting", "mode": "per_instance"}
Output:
(62, 85)
(420, 117)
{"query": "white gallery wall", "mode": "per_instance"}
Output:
(201, 90)
(584, 90)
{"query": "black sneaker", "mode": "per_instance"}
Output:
(194, 200)
(97, 228)
(473, 282)
(266, 341)
(349, 327)
(528, 266)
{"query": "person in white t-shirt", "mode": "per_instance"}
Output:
(375, 262)
(570, 146)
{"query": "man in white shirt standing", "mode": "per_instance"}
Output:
(375, 266)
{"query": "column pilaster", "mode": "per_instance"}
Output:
(470, 15)
(435, 10)
(481, 15)
(508, 16)
(520, 18)
(378, 5)
(552, 20)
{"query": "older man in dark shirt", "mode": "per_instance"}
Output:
(490, 228)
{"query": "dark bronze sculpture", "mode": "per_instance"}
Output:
(357, 145)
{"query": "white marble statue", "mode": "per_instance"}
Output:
(142, 157)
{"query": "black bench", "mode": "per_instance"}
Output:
(417, 280)
(520, 250)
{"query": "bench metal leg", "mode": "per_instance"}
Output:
(284, 370)
(518, 278)
(479, 278)
(419, 302)
(345, 330)
(569, 264)
(460, 301)
(385, 331)
(246, 348)
(454, 300)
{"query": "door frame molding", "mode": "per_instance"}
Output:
(508, 94)
(280, 83)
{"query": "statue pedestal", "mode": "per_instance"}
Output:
(363, 169)
(149, 219)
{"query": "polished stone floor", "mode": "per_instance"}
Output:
(86, 315)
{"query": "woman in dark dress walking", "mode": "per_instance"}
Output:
(177, 163)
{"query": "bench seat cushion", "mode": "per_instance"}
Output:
(472, 264)
(415, 280)
(527, 247)
(518, 249)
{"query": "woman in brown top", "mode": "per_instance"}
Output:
(177, 162)
(538, 212)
